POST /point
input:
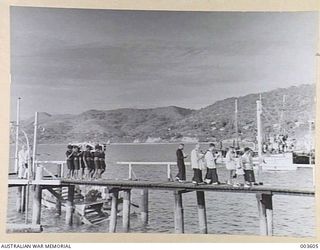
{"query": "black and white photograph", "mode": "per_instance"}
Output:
(168, 122)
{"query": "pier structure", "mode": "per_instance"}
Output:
(46, 180)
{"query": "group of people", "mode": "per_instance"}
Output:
(85, 162)
(237, 163)
(277, 144)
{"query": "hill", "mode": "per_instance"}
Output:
(215, 122)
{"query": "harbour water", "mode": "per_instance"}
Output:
(227, 213)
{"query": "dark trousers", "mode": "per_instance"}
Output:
(212, 175)
(249, 176)
(197, 175)
(181, 172)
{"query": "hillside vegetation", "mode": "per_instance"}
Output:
(212, 123)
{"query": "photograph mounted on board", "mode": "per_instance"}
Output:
(126, 121)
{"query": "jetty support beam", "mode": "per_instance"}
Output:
(203, 228)
(37, 196)
(126, 210)
(144, 206)
(114, 211)
(18, 201)
(265, 213)
(69, 205)
(178, 213)
(36, 210)
(59, 191)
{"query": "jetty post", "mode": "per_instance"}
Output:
(37, 197)
(126, 210)
(265, 209)
(178, 213)
(58, 191)
(144, 206)
(16, 158)
(69, 205)
(169, 172)
(259, 138)
(203, 228)
(18, 200)
(114, 211)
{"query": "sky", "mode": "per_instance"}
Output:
(66, 61)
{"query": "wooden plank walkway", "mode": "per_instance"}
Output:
(188, 186)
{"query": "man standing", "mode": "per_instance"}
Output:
(181, 176)
(210, 158)
(197, 164)
(247, 163)
(23, 162)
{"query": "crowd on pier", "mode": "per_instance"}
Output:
(238, 163)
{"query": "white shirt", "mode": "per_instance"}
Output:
(23, 157)
(210, 160)
(196, 159)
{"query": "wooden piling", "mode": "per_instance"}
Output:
(178, 213)
(18, 200)
(114, 211)
(36, 209)
(265, 213)
(144, 206)
(58, 191)
(37, 197)
(126, 211)
(69, 205)
(23, 198)
(202, 212)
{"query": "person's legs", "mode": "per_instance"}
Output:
(178, 176)
(214, 176)
(208, 177)
(183, 173)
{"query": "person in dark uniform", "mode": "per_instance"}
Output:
(96, 159)
(76, 161)
(69, 160)
(88, 162)
(181, 176)
(102, 162)
(81, 162)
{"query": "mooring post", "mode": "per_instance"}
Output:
(59, 191)
(202, 212)
(114, 211)
(18, 201)
(178, 213)
(169, 171)
(126, 211)
(37, 196)
(36, 210)
(130, 171)
(69, 205)
(144, 206)
(265, 213)
(23, 198)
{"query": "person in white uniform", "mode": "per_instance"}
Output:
(23, 159)
(210, 159)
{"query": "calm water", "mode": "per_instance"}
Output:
(227, 213)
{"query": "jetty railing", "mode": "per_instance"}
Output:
(263, 194)
(168, 166)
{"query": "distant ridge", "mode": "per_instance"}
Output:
(165, 124)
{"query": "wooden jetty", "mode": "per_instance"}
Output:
(264, 196)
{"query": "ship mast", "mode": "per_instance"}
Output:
(259, 137)
(236, 121)
(16, 158)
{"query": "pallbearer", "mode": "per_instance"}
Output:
(88, 162)
(96, 159)
(181, 176)
(70, 165)
(76, 161)
(210, 158)
(102, 161)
